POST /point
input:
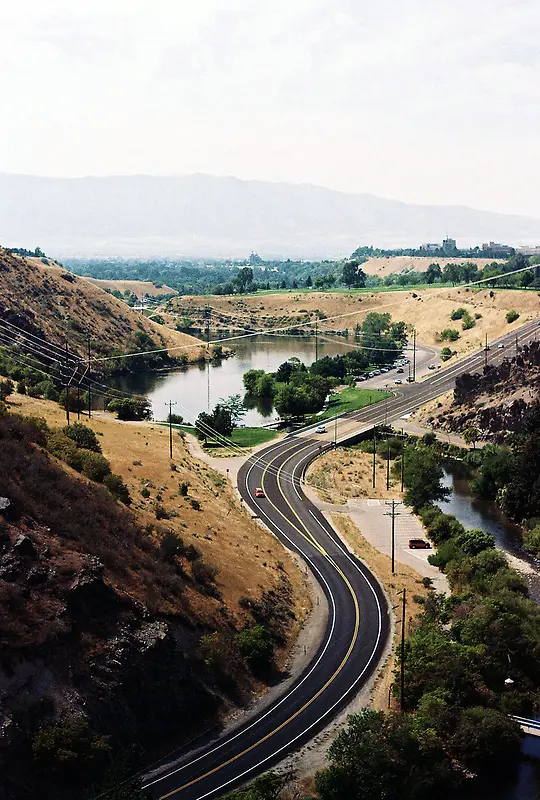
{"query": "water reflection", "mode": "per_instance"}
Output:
(200, 387)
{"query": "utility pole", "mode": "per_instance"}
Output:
(78, 397)
(388, 464)
(486, 348)
(89, 384)
(170, 404)
(67, 383)
(393, 514)
(403, 466)
(374, 452)
(316, 340)
(335, 431)
(414, 356)
(403, 612)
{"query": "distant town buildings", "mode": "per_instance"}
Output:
(448, 246)
(496, 247)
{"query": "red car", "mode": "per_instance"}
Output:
(419, 544)
(258, 492)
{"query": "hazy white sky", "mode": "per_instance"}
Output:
(421, 100)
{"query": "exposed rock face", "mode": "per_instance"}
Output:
(498, 399)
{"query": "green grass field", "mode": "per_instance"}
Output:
(350, 400)
(243, 437)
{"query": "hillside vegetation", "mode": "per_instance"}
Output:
(44, 299)
(429, 311)
(98, 600)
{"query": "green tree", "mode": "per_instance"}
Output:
(94, 466)
(433, 273)
(353, 275)
(486, 740)
(471, 435)
(256, 646)
(218, 422)
(423, 474)
(128, 408)
(511, 316)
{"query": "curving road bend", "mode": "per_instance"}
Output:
(354, 639)
(358, 621)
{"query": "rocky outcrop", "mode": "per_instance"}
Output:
(498, 399)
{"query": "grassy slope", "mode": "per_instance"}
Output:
(243, 437)
(39, 298)
(246, 555)
(351, 400)
(429, 311)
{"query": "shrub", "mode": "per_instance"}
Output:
(117, 488)
(532, 540)
(95, 466)
(457, 313)
(64, 747)
(256, 646)
(511, 316)
(65, 449)
(203, 573)
(160, 511)
(195, 504)
(7, 387)
(183, 488)
(21, 387)
(446, 353)
(145, 492)
(83, 436)
(171, 546)
(449, 335)
(467, 322)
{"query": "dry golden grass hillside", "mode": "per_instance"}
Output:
(389, 265)
(428, 310)
(46, 300)
(138, 288)
(248, 558)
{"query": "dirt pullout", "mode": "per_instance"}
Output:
(348, 473)
(428, 310)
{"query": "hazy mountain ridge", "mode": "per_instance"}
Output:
(202, 215)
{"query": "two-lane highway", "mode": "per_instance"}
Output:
(355, 636)
(358, 622)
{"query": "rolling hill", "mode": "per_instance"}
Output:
(202, 215)
(47, 301)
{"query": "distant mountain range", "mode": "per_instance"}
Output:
(205, 216)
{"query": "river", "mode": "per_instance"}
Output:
(198, 388)
(473, 512)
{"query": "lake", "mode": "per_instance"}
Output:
(200, 387)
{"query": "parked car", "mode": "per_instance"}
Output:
(432, 366)
(258, 492)
(410, 380)
(384, 369)
(398, 380)
(400, 371)
(419, 544)
(320, 429)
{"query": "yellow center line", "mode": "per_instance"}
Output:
(309, 538)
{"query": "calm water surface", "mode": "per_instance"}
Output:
(199, 388)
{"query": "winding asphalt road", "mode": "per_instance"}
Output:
(358, 621)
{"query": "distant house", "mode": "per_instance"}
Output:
(430, 247)
(449, 245)
(496, 247)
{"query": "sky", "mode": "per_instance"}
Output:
(420, 100)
